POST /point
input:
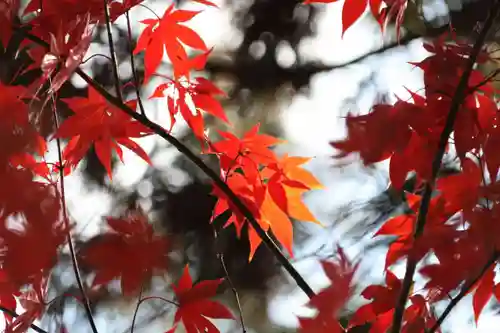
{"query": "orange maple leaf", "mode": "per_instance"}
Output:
(287, 181)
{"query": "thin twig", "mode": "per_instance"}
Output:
(465, 289)
(114, 63)
(74, 261)
(152, 11)
(457, 100)
(220, 255)
(138, 305)
(160, 131)
(132, 64)
(12, 313)
(488, 79)
(150, 319)
(94, 56)
(161, 299)
(141, 300)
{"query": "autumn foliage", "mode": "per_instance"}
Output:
(455, 218)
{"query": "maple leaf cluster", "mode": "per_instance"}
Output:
(329, 301)
(455, 219)
(461, 218)
(30, 212)
(271, 187)
(130, 251)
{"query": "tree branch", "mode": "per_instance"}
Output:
(456, 102)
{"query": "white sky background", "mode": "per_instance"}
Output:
(310, 122)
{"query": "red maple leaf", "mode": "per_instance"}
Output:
(246, 154)
(206, 3)
(15, 127)
(66, 54)
(352, 10)
(167, 34)
(33, 302)
(131, 250)
(435, 236)
(395, 8)
(330, 301)
(265, 211)
(246, 193)
(417, 156)
(118, 8)
(48, 18)
(368, 135)
(99, 123)
(8, 12)
(462, 191)
(201, 92)
(379, 312)
(483, 291)
(8, 291)
(458, 262)
(417, 316)
(35, 209)
(195, 305)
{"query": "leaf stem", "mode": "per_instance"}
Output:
(456, 101)
(141, 300)
(136, 311)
